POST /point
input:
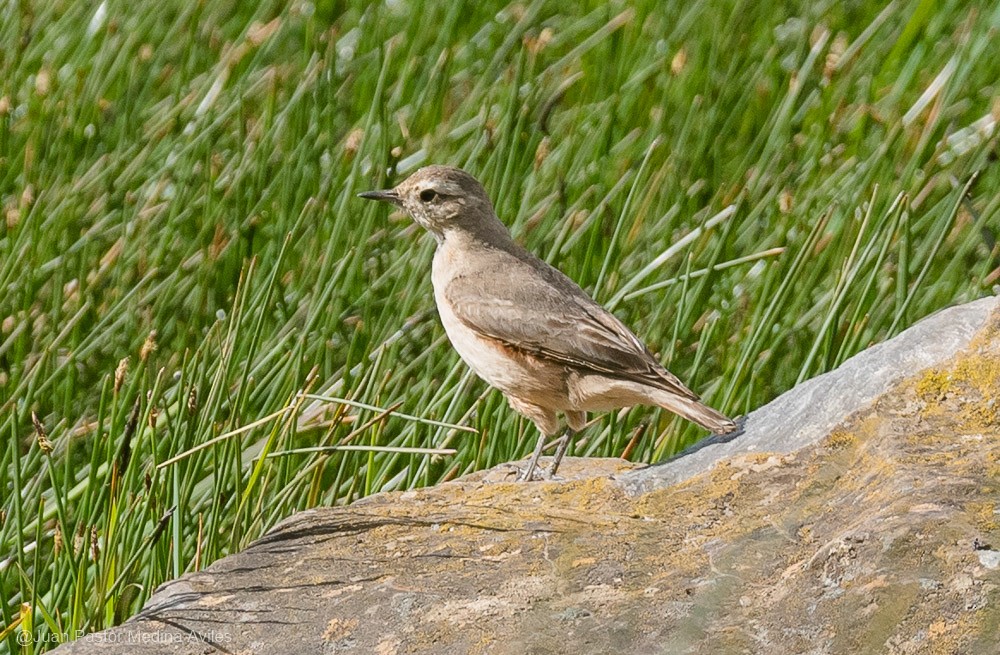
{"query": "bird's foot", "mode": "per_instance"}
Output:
(528, 474)
(562, 445)
(535, 474)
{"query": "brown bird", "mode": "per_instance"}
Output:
(527, 329)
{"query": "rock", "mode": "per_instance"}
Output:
(873, 532)
(990, 558)
(807, 413)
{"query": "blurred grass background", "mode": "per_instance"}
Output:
(760, 189)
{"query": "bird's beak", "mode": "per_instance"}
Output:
(386, 195)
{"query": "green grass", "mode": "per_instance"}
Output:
(761, 191)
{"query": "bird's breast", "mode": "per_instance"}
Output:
(486, 357)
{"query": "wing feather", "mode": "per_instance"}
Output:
(542, 312)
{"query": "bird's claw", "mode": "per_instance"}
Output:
(536, 474)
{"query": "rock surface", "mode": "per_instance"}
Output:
(808, 413)
(875, 531)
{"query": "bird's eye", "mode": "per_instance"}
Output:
(428, 194)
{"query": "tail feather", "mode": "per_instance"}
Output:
(697, 412)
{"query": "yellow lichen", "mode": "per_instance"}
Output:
(980, 373)
(949, 636)
(984, 515)
(840, 439)
(932, 384)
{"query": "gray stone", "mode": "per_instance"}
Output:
(806, 413)
(990, 558)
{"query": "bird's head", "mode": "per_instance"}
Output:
(441, 198)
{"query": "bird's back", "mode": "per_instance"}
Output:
(504, 292)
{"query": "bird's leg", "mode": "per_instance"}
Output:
(529, 472)
(564, 442)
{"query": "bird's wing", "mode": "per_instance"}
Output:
(542, 312)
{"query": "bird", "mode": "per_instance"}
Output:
(526, 328)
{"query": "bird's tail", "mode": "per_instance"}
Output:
(696, 411)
